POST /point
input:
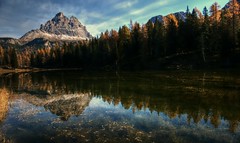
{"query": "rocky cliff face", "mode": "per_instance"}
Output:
(59, 28)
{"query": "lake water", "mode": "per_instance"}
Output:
(167, 106)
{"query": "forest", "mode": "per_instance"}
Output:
(207, 39)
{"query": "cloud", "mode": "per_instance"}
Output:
(125, 4)
(150, 7)
(86, 16)
(96, 29)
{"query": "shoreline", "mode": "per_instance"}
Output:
(5, 71)
(18, 70)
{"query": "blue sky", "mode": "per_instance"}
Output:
(20, 16)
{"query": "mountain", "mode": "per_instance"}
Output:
(6, 42)
(178, 15)
(60, 28)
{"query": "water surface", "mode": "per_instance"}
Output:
(167, 106)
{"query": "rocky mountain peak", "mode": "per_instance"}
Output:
(60, 14)
(59, 17)
(61, 24)
(59, 27)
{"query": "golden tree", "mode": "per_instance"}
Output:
(4, 95)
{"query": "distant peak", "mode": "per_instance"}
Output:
(73, 17)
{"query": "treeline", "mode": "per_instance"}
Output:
(8, 57)
(203, 39)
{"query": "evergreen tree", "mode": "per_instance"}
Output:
(159, 38)
(214, 31)
(150, 38)
(136, 45)
(14, 59)
(205, 29)
(124, 46)
(234, 8)
(171, 38)
(226, 39)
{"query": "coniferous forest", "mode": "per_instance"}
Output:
(205, 39)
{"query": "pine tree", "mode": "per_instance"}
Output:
(205, 29)
(159, 40)
(234, 8)
(14, 59)
(215, 31)
(136, 45)
(124, 45)
(171, 37)
(150, 38)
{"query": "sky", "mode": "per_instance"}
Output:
(20, 16)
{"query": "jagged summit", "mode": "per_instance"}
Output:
(60, 14)
(59, 28)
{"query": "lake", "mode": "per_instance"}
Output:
(165, 106)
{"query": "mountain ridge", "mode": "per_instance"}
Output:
(181, 15)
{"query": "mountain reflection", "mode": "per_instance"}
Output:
(63, 105)
(208, 98)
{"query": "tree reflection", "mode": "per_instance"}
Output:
(202, 97)
(4, 96)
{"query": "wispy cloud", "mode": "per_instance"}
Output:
(150, 7)
(114, 23)
(125, 4)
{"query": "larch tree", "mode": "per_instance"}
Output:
(124, 45)
(234, 8)
(14, 58)
(214, 11)
(1, 55)
(205, 29)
